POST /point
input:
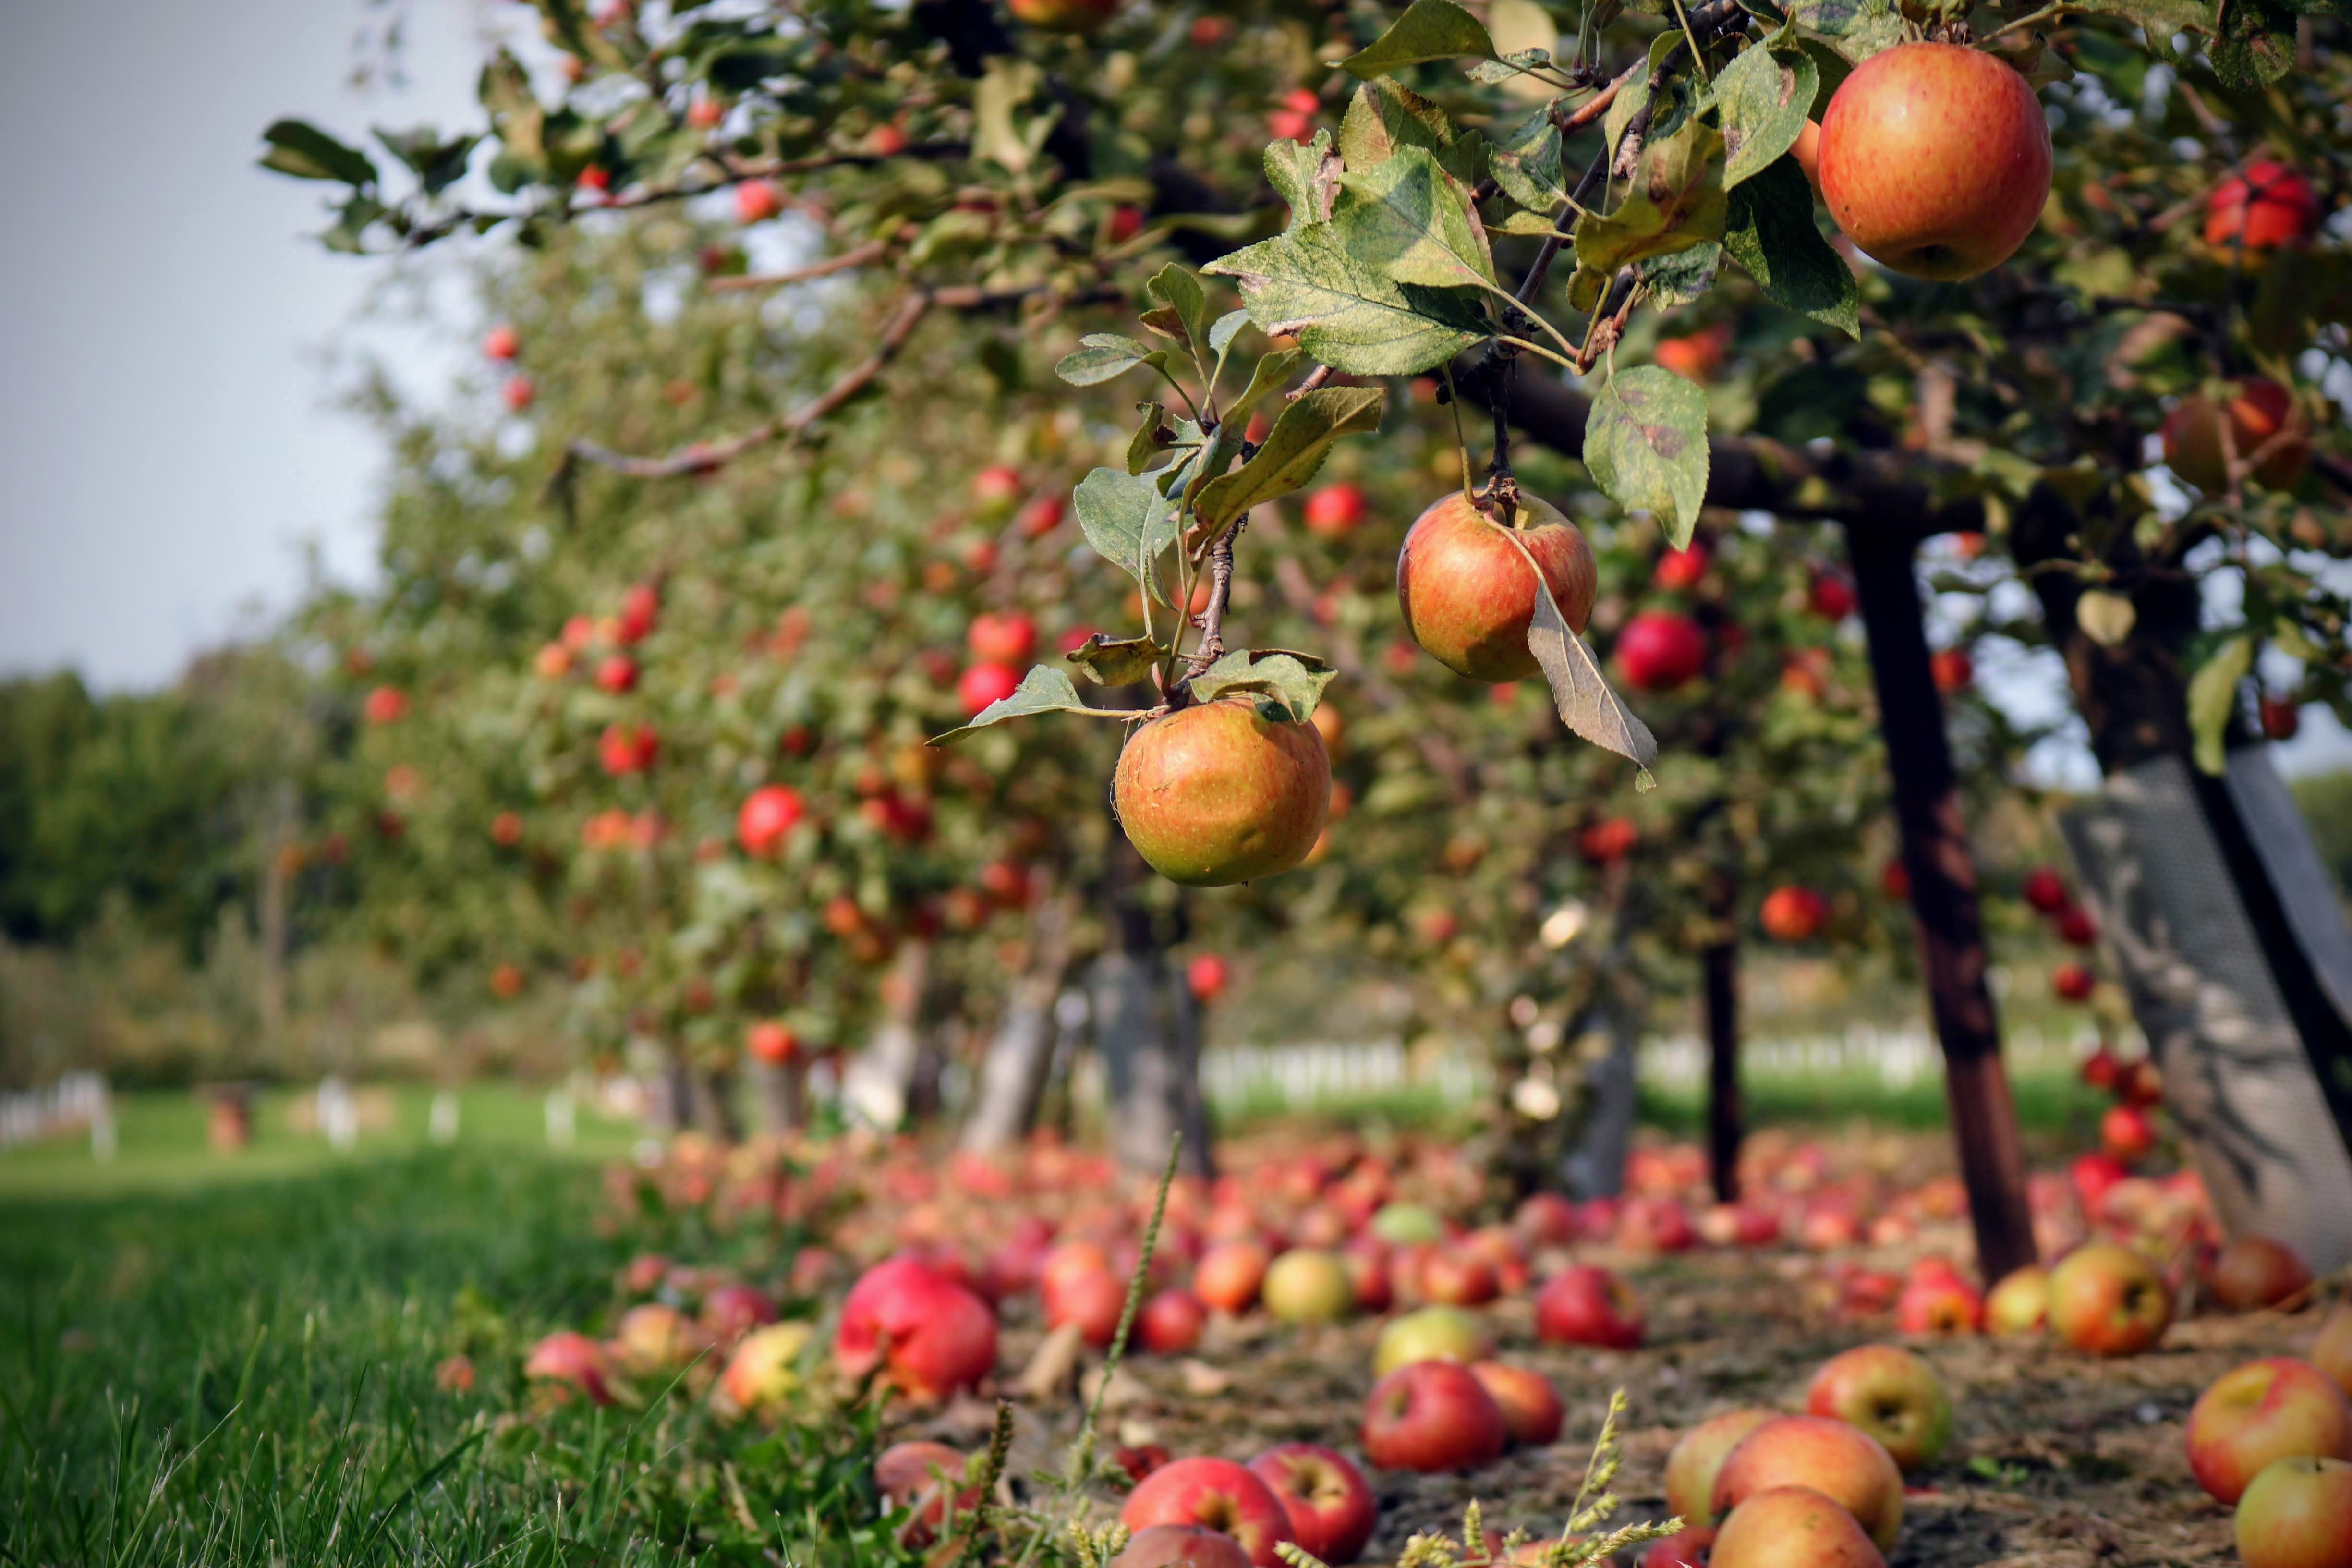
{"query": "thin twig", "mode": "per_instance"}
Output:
(857, 256)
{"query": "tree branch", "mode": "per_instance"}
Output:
(857, 256)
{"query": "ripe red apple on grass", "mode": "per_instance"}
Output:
(1218, 1494)
(1217, 794)
(1330, 1505)
(2275, 1408)
(1792, 1527)
(2297, 1513)
(930, 1334)
(1468, 594)
(1584, 1305)
(1170, 1323)
(1432, 1415)
(1934, 160)
(731, 1310)
(571, 1360)
(1891, 1393)
(1843, 1462)
(2255, 1271)
(2108, 1300)
(924, 1477)
(1698, 1455)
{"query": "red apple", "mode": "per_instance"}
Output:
(1230, 1275)
(1216, 1493)
(768, 815)
(1306, 1284)
(2269, 205)
(730, 1312)
(1694, 356)
(1453, 1278)
(1545, 1219)
(1170, 1323)
(757, 201)
(765, 1370)
(2281, 720)
(1942, 1305)
(1792, 1527)
(1686, 1548)
(1659, 651)
(2255, 1271)
(1530, 1405)
(2108, 1300)
(1335, 510)
(931, 1334)
(1696, 1456)
(984, 684)
(572, 1360)
(2266, 429)
(924, 1477)
(1934, 160)
(1180, 1546)
(640, 607)
(2045, 890)
(2127, 1135)
(1952, 670)
(2020, 1304)
(1432, 1415)
(518, 392)
(2072, 982)
(503, 344)
(1007, 638)
(1831, 597)
(1208, 975)
(1793, 914)
(2275, 1408)
(1468, 594)
(997, 486)
(1093, 1299)
(1587, 1306)
(1842, 1462)
(2297, 1513)
(1217, 794)
(1330, 1504)
(1891, 1393)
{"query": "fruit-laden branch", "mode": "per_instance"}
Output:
(857, 256)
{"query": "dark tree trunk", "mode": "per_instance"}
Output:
(1942, 868)
(1725, 1119)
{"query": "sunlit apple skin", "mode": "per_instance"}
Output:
(1432, 1415)
(1844, 1463)
(2020, 1304)
(2297, 1513)
(1792, 1527)
(1934, 160)
(2275, 1409)
(1217, 794)
(1696, 1456)
(1891, 1393)
(571, 1358)
(1468, 594)
(1217, 1493)
(1531, 1409)
(2109, 1301)
(1331, 1507)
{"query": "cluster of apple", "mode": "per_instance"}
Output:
(2273, 1440)
(503, 345)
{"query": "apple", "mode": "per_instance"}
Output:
(1891, 1393)
(2281, 720)
(1468, 593)
(2269, 205)
(503, 344)
(1679, 571)
(626, 749)
(1530, 1405)
(1092, 1298)
(730, 1311)
(2045, 890)
(2332, 1352)
(574, 1360)
(1584, 1305)
(1064, 15)
(1945, 1304)
(1335, 511)
(1792, 1527)
(2275, 1409)
(1934, 160)
(2020, 1304)
(1295, 120)
(1831, 597)
(1696, 356)
(1170, 1323)
(2071, 982)
(1697, 1455)
(1793, 914)
(1951, 669)
(640, 607)
(1660, 651)
(654, 1337)
(1208, 975)
(924, 1477)
(1608, 840)
(2255, 1271)
(1843, 1462)
(930, 1334)
(1457, 1279)
(2109, 1301)
(1180, 1546)
(1007, 638)
(1432, 1333)
(1686, 1548)
(2127, 1135)
(997, 486)
(1215, 1493)
(385, 705)
(1307, 1285)
(1367, 1260)
(1400, 1223)
(757, 201)
(2140, 1082)
(1545, 1219)
(2265, 428)
(1042, 515)
(1217, 794)
(765, 1370)
(1331, 1509)
(984, 684)
(1432, 1415)
(518, 392)
(1230, 1275)
(2297, 1513)
(767, 816)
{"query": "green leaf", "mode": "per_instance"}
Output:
(1429, 30)
(1127, 521)
(1525, 161)
(300, 149)
(437, 164)
(1176, 287)
(1407, 217)
(1763, 99)
(1384, 117)
(1293, 449)
(1675, 201)
(1009, 84)
(2255, 46)
(1268, 376)
(1303, 177)
(1580, 691)
(1100, 356)
(1347, 314)
(1855, 29)
(1292, 683)
(1645, 445)
(1122, 662)
(1684, 276)
(1770, 232)
(1222, 334)
(515, 112)
(2213, 698)
(1145, 444)
(1044, 689)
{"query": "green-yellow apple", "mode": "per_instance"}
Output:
(1218, 793)
(2275, 1409)
(1307, 1285)
(1432, 1333)
(1792, 1527)
(2297, 1513)
(1934, 160)
(1844, 1463)
(1891, 1393)
(1697, 1455)
(1399, 1222)
(1468, 594)
(2020, 1304)
(765, 1370)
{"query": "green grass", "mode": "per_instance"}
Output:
(2054, 1107)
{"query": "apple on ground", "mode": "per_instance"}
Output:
(1891, 1393)
(765, 1370)
(1456, 1279)
(1432, 1415)
(1218, 1494)
(1093, 1299)
(2332, 1352)
(1468, 592)
(930, 1334)
(2297, 1513)
(1698, 1454)
(1230, 1275)
(1330, 1505)
(1792, 1527)
(1686, 1548)
(2275, 1409)
(1398, 1224)
(925, 1478)
(1431, 1333)
(1585, 1305)
(1843, 1462)
(2020, 1304)
(571, 1360)
(1170, 1323)
(2108, 1300)
(654, 1337)
(1307, 1285)
(1531, 1409)
(1180, 1546)
(1945, 1304)
(732, 1311)
(1217, 794)
(2253, 1271)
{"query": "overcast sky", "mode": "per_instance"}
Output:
(168, 443)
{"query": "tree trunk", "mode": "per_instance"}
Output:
(1145, 1028)
(1021, 1054)
(1596, 1166)
(1942, 868)
(878, 1086)
(277, 890)
(1726, 1118)
(714, 1106)
(782, 1092)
